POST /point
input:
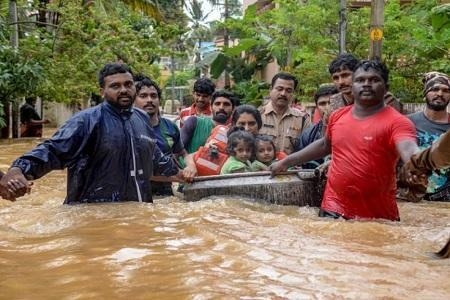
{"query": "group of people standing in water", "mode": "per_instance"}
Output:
(124, 150)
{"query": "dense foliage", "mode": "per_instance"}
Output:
(303, 38)
(59, 60)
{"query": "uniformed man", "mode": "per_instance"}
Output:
(279, 120)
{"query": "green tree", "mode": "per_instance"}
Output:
(302, 37)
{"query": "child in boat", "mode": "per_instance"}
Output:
(241, 148)
(264, 153)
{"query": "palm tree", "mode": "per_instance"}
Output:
(149, 8)
(199, 30)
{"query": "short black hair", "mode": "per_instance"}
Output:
(284, 76)
(111, 69)
(325, 90)
(225, 94)
(141, 80)
(237, 136)
(377, 66)
(265, 138)
(30, 99)
(249, 109)
(345, 61)
(204, 86)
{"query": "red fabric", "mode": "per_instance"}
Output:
(219, 138)
(317, 116)
(191, 111)
(361, 179)
(208, 164)
(280, 155)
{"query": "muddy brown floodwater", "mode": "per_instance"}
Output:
(217, 248)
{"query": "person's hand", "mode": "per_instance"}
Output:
(46, 121)
(411, 176)
(189, 173)
(414, 182)
(13, 185)
(323, 168)
(179, 177)
(277, 167)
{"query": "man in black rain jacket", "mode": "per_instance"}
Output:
(109, 150)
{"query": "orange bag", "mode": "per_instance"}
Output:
(218, 137)
(209, 161)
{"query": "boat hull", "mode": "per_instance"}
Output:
(300, 189)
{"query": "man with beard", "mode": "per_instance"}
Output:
(148, 95)
(197, 129)
(366, 140)
(431, 123)
(203, 89)
(109, 150)
(283, 123)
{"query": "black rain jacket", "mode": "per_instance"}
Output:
(110, 156)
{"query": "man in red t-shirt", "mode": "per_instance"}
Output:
(365, 140)
(203, 90)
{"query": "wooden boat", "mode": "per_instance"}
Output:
(300, 187)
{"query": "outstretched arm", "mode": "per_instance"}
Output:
(433, 158)
(416, 180)
(439, 156)
(315, 150)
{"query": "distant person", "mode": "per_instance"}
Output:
(241, 148)
(366, 139)
(109, 150)
(202, 93)
(317, 131)
(279, 119)
(31, 122)
(430, 124)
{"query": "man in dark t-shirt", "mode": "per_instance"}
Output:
(31, 122)
(430, 124)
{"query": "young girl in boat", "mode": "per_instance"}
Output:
(241, 148)
(265, 153)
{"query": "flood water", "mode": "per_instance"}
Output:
(218, 248)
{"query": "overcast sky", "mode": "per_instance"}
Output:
(215, 12)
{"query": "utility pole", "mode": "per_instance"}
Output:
(376, 28)
(172, 72)
(14, 41)
(226, 43)
(342, 25)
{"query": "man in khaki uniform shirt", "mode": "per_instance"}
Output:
(279, 120)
